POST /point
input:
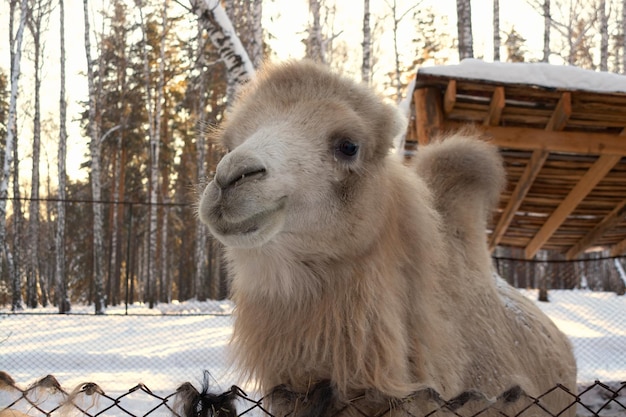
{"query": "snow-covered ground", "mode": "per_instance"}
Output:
(173, 344)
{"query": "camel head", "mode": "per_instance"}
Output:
(304, 146)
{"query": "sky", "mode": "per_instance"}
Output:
(284, 19)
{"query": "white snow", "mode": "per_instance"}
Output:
(535, 74)
(172, 344)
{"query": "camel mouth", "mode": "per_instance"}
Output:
(252, 231)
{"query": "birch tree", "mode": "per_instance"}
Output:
(546, 30)
(239, 67)
(573, 20)
(154, 174)
(96, 186)
(10, 143)
(496, 30)
(40, 10)
(256, 42)
(366, 66)
(62, 299)
(464, 28)
(201, 241)
(604, 35)
(315, 44)
(623, 36)
(153, 151)
(397, 18)
(14, 260)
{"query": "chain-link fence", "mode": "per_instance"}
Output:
(585, 298)
(46, 397)
(171, 342)
(157, 331)
(160, 350)
(147, 253)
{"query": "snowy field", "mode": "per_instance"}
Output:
(167, 346)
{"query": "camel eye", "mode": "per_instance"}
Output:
(347, 149)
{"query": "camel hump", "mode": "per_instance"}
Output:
(466, 175)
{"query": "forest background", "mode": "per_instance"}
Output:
(100, 164)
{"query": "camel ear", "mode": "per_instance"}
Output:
(391, 124)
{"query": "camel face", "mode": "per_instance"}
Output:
(284, 177)
(297, 162)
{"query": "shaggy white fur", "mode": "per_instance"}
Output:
(355, 276)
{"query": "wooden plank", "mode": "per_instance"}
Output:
(598, 170)
(586, 143)
(449, 98)
(613, 218)
(495, 107)
(557, 121)
(533, 167)
(561, 113)
(421, 131)
(619, 249)
(428, 114)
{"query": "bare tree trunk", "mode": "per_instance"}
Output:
(315, 46)
(256, 44)
(547, 24)
(14, 267)
(62, 299)
(200, 255)
(96, 186)
(366, 66)
(623, 36)
(166, 290)
(153, 148)
(10, 144)
(239, 67)
(163, 273)
(464, 27)
(396, 23)
(604, 36)
(396, 54)
(39, 12)
(496, 30)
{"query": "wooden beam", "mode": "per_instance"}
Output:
(561, 114)
(586, 143)
(537, 159)
(595, 174)
(449, 98)
(613, 218)
(619, 249)
(495, 107)
(558, 120)
(428, 114)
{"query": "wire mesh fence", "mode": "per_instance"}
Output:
(168, 343)
(159, 349)
(157, 330)
(47, 397)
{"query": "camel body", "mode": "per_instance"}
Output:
(358, 279)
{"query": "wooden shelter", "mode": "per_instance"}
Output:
(564, 149)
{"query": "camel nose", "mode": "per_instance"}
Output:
(238, 167)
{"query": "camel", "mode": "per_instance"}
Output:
(359, 280)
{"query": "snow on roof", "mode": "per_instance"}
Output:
(537, 74)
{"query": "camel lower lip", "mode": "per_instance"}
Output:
(252, 224)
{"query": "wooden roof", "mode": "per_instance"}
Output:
(564, 152)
